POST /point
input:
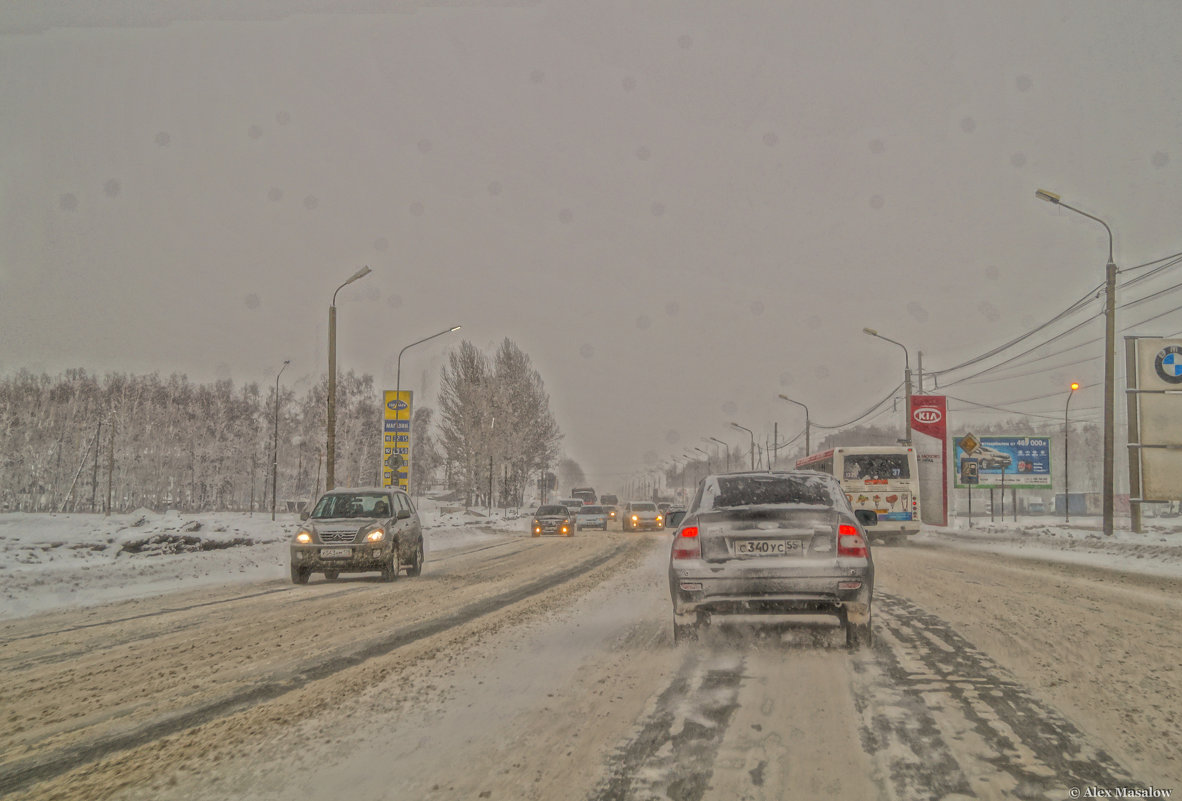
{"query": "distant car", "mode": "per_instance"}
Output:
(572, 504)
(552, 519)
(358, 530)
(612, 512)
(663, 506)
(591, 517)
(772, 543)
(608, 499)
(641, 515)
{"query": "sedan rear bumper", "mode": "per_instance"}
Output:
(695, 593)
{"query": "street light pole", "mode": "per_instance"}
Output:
(807, 448)
(906, 380)
(275, 441)
(752, 433)
(1066, 463)
(1109, 358)
(728, 452)
(709, 468)
(398, 391)
(331, 446)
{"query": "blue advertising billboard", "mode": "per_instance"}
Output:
(1020, 462)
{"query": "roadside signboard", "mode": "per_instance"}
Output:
(396, 439)
(929, 437)
(1018, 462)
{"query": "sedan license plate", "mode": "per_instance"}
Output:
(336, 553)
(767, 547)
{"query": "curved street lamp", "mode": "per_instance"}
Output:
(728, 451)
(807, 449)
(1067, 464)
(906, 380)
(331, 446)
(752, 433)
(398, 387)
(275, 441)
(709, 467)
(1109, 357)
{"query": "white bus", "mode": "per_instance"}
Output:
(884, 478)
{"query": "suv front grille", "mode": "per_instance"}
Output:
(346, 535)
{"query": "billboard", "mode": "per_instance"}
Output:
(396, 414)
(1018, 462)
(1155, 416)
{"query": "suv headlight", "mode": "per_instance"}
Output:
(377, 535)
(304, 537)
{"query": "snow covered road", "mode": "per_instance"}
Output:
(517, 668)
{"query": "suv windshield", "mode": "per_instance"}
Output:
(545, 511)
(353, 504)
(644, 507)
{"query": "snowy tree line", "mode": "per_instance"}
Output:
(496, 428)
(72, 441)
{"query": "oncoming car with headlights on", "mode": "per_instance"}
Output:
(772, 543)
(356, 531)
(552, 518)
(641, 515)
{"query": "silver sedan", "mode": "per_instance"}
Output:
(772, 543)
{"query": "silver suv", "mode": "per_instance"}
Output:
(358, 530)
(772, 543)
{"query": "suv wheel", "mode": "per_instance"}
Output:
(416, 566)
(391, 568)
(299, 575)
(332, 575)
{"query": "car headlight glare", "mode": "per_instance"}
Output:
(377, 535)
(303, 538)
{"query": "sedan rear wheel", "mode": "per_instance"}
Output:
(858, 635)
(685, 632)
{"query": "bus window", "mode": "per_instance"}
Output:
(876, 466)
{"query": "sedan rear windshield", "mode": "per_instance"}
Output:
(727, 492)
(546, 511)
(591, 510)
(353, 504)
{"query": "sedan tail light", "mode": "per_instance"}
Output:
(687, 545)
(850, 542)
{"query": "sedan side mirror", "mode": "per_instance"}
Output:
(867, 517)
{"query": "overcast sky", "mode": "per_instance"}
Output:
(678, 210)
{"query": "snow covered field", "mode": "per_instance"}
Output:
(49, 561)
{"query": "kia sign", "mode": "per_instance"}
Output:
(927, 415)
(929, 437)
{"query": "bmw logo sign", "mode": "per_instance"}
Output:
(1169, 364)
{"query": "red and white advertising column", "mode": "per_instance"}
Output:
(929, 437)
